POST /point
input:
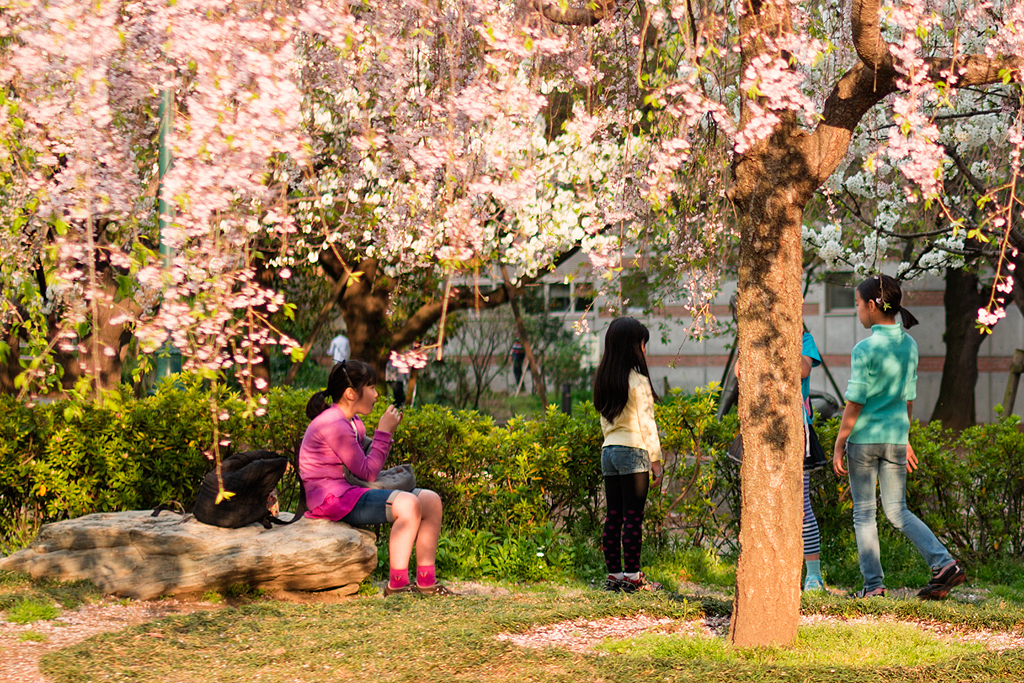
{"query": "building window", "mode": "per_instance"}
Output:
(558, 298)
(839, 292)
(583, 296)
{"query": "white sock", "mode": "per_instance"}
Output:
(617, 576)
(633, 575)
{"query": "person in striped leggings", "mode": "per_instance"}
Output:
(810, 358)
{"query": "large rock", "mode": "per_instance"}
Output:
(136, 555)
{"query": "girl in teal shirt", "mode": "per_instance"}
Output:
(874, 435)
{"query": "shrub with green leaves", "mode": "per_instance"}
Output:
(69, 458)
(523, 500)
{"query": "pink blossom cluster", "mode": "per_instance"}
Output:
(414, 359)
(773, 86)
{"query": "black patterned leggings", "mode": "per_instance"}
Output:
(626, 495)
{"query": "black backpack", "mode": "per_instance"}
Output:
(251, 476)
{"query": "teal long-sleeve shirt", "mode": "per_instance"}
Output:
(883, 378)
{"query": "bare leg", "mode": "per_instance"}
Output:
(407, 514)
(430, 528)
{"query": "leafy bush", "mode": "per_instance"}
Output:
(70, 458)
(699, 499)
(523, 500)
(969, 489)
(516, 477)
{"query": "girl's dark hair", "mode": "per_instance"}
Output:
(352, 373)
(622, 354)
(887, 295)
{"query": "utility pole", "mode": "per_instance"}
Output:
(168, 360)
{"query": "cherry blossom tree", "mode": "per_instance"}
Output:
(801, 100)
(862, 218)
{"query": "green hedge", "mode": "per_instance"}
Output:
(511, 492)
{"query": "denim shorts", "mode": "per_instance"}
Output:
(617, 460)
(374, 507)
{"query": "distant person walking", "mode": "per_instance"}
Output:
(339, 349)
(874, 435)
(518, 353)
(631, 451)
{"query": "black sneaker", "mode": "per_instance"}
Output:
(613, 585)
(640, 583)
(942, 581)
(873, 593)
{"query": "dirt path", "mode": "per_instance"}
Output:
(22, 645)
(581, 635)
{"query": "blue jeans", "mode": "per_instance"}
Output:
(885, 463)
(618, 460)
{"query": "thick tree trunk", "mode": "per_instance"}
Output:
(770, 191)
(955, 407)
(11, 365)
(106, 357)
(365, 309)
(321, 320)
(365, 302)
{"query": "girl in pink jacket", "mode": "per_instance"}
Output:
(334, 441)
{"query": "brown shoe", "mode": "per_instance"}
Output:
(407, 589)
(943, 580)
(438, 589)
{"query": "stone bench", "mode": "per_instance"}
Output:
(135, 555)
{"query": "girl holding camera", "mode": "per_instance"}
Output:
(333, 441)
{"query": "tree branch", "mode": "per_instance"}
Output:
(857, 91)
(574, 16)
(867, 37)
(461, 298)
(972, 69)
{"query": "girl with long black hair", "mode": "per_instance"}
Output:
(631, 451)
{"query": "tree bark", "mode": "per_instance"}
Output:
(366, 301)
(112, 340)
(769, 192)
(11, 366)
(963, 297)
(365, 309)
(321, 320)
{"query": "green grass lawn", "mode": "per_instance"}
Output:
(454, 639)
(254, 638)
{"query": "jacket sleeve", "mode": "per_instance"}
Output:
(647, 428)
(366, 465)
(860, 379)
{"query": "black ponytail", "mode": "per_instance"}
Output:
(887, 295)
(354, 374)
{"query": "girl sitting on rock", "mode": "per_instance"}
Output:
(332, 442)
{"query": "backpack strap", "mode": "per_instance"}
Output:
(301, 508)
